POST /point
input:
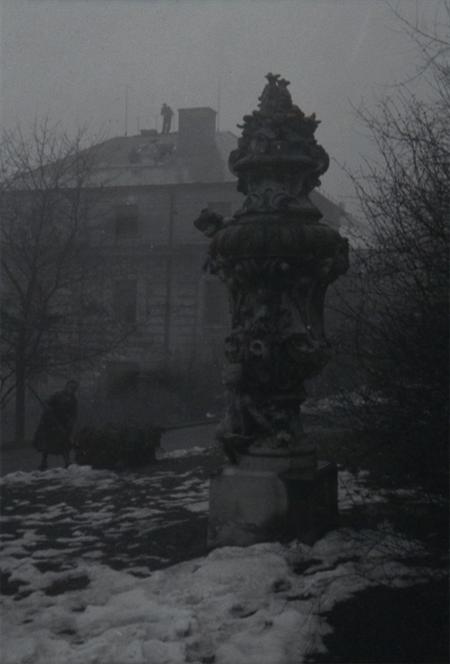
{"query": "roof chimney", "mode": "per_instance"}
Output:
(196, 129)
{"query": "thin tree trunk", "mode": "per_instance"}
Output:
(20, 412)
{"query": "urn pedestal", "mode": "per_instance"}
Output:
(270, 497)
(277, 259)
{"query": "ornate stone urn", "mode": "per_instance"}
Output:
(277, 260)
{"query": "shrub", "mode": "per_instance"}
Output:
(400, 310)
(117, 447)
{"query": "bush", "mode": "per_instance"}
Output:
(116, 447)
(399, 313)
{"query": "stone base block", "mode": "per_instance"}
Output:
(313, 502)
(248, 506)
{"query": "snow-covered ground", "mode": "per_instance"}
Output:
(61, 516)
(263, 604)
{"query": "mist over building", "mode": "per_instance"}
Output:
(152, 186)
(145, 190)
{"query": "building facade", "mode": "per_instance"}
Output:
(145, 191)
(150, 189)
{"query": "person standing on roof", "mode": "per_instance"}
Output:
(167, 114)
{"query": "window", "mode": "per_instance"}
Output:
(220, 207)
(127, 221)
(125, 300)
(215, 303)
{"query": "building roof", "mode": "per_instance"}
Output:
(150, 158)
(198, 154)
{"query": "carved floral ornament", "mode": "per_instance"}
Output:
(277, 260)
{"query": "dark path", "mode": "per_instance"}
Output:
(25, 458)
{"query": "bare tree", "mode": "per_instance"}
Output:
(53, 311)
(399, 310)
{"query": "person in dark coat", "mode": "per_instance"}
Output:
(54, 432)
(167, 114)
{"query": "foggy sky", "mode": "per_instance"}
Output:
(72, 60)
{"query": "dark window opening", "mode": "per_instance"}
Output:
(127, 221)
(125, 300)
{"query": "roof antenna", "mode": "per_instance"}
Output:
(126, 110)
(218, 106)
